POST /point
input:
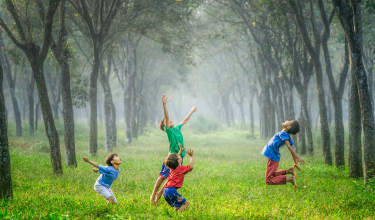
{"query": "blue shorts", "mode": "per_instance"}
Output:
(172, 197)
(164, 172)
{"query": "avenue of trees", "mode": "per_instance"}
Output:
(256, 63)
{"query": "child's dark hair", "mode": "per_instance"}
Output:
(162, 125)
(109, 158)
(294, 127)
(172, 161)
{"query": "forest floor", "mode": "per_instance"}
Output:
(226, 183)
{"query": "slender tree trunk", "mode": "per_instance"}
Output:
(12, 84)
(251, 104)
(93, 101)
(355, 131)
(36, 116)
(49, 122)
(68, 115)
(6, 190)
(30, 96)
(134, 119)
(307, 122)
(302, 137)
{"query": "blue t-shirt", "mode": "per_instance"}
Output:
(271, 150)
(108, 175)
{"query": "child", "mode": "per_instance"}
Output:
(108, 175)
(176, 179)
(271, 150)
(174, 138)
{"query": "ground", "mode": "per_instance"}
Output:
(226, 183)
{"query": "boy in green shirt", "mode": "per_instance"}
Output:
(175, 138)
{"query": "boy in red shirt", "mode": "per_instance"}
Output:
(176, 179)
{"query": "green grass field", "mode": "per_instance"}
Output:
(226, 183)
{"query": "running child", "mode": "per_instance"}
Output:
(108, 174)
(174, 138)
(176, 179)
(271, 150)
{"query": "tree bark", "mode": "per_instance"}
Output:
(251, 107)
(30, 96)
(6, 190)
(355, 132)
(12, 83)
(350, 19)
(302, 135)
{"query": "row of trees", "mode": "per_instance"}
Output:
(100, 30)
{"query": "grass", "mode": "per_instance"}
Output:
(227, 182)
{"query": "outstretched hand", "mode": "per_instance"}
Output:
(300, 161)
(86, 159)
(95, 170)
(181, 149)
(193, 109)
(190, 152)
(164, 99)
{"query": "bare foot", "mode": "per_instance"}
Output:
(152, 199)
(293, 181)
(293, 171)
(182, 207)
(158, 196)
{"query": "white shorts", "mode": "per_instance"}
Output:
(104, 191)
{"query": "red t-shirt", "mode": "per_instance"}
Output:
(176, 177)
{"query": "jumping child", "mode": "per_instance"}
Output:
(271, 150)
(174, 138)
(108, 174)
(176, 179)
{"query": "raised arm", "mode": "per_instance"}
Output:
(181, 149)
(294, 155)
(189, 115)
(190, 152)
(166, 115)
(89, 161)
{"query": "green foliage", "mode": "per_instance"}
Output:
(370, 4)
(41, 146)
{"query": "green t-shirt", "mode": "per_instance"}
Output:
(175, 137)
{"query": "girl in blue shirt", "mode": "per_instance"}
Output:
(108, 174)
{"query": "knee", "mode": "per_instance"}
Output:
(268, 181)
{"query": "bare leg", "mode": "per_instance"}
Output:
(292, 171)
(158, 195)
(182, 207)
(156, 188)
(292, 180)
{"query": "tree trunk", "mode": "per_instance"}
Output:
(93, 101)
(6, 190)
(302, 137)
(36, 116)
(12, 83)
(49, 122)
(314, 53)
(134, 119)
(251, 104)
(30, 96)
(307, 122)
(355, 130)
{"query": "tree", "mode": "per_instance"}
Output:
(98, 24)
(12, 83)
(36, 56)
(6, 190)
(314, 51)
(350, 19)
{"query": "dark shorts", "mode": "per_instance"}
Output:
(172, 197)
(164, 172)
